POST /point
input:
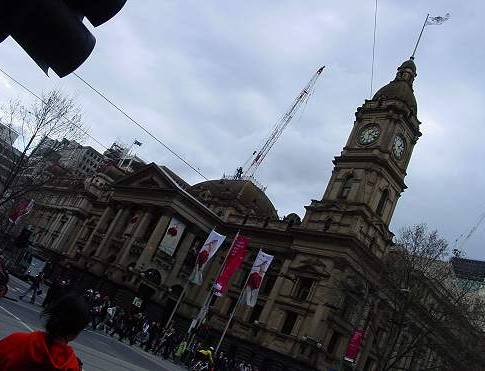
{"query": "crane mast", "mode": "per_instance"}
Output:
(252, 165)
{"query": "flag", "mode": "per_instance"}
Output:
(137, 143)
(256, 276)
(22, 209)
(233, 262)
(434, 21)
(353, 348)
(206, 252)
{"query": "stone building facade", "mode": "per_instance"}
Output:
(108, 235)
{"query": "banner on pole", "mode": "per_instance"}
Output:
(233, 262)
(256, 276)
(22, 209)
(353, 348)
(172, 236)
(207, 251)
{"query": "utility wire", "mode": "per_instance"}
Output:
(373, 53)
(140, 126)
(40, 98)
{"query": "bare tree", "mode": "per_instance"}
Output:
(421, 316)
(30, 143)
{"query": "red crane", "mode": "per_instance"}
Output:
(248, 170)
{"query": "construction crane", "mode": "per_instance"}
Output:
(248, 170)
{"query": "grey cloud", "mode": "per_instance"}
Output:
(211, 78)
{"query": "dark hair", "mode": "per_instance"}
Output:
(66, 317)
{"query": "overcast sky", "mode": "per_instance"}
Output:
(211, 79)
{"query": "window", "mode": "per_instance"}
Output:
(268, 283)
(382, 202)
(303, 288)
(258, 308)
(350, 308)
(333, 343)
(347, 186)
(289, 323)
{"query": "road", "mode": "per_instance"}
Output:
(96, 350)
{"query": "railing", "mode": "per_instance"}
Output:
(248, 178)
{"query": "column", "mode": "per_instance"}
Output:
(72, 245)
(65, 233)
(332, 289)
(116, 224)
(106, 214)
(268, 307)
(180, 255)
(321, 311)
(137, 234)
(51, 228)
(152, 244)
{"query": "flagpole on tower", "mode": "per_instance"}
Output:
(419, 37)
(430, 21)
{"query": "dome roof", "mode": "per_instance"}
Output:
(401, 88)
(242, 195)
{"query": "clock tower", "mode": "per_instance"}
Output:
(368, 176)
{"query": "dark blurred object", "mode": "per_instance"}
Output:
(52, 31)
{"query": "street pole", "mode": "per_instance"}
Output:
(211, 292)
(232, 314)
(179, 300)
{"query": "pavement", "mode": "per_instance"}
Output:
(96, 350)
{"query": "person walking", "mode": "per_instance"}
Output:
(153, 333)
(35, 288)
(180, 351)
(49, 349)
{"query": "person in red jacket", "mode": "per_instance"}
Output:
(49, 350)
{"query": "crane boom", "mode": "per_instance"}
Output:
(302, 98)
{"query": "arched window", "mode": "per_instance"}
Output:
(382, 202)
(347, 186)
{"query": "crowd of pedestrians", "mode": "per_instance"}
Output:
(133, 326)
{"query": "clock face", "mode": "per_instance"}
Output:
(369, 134)
(398, 147)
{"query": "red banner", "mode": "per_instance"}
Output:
(233, 262)
(353, 348)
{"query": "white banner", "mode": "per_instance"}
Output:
(256, 276)
(207, 251)
(172, 236)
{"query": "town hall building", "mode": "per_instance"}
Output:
(106, 233)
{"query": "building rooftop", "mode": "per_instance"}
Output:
(469, 269)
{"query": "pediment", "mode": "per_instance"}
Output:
(151, 176)
(151, 182)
